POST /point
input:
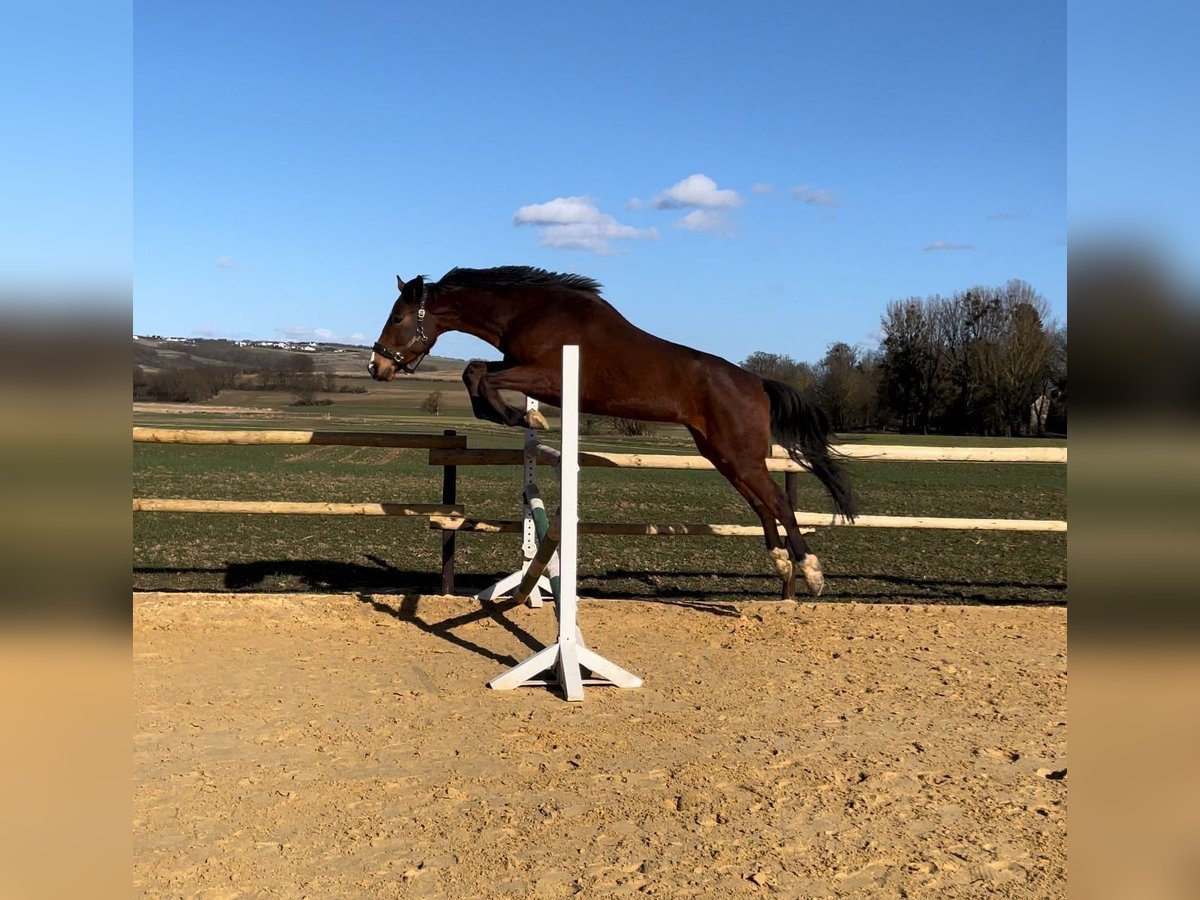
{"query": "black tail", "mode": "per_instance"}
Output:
(802, 428)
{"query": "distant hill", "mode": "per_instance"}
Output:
(155, 353)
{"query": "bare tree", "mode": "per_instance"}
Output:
(1016, 358)
(1056, 381)
(631, 427)
(779, 367)
(432, 404)
(970, 323)
(836, 383)
(914, 359)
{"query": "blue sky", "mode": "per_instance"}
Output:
(760, 176)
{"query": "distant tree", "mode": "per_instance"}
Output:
(176, 385)
(972, 324)
(914, 360)
(141, 383)
(848, 387)
(304, 387)
(836, 382)
(432, 404)
(631, 427)
(778, 367)
(290, 372)
(866, 398)
(1023, 357)
(974, 363)
(591, 424)
(1056, 381)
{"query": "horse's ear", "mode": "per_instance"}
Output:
(399, 283)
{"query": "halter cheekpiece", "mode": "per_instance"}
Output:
(418, 335)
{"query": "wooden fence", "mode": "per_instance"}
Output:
(449, 451)
(432, 442)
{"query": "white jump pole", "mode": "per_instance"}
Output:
(569, 654)
(504, 587)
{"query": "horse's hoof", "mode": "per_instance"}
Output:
(813, 576)
(534, 419)
(782, 563)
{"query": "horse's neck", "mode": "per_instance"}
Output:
(481, 313)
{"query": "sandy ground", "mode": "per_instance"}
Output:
(347, 746)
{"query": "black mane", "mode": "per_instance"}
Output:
(517, 276)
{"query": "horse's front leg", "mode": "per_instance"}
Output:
(480, 378)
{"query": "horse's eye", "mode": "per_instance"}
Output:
(397, 319)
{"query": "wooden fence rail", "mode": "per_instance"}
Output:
(285, 507)
(778, 462)
(209, 437)
(449, 451)
(808, 522)
(322, 438)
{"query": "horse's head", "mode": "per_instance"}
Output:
(407, 336)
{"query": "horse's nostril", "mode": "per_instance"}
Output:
(371, 368)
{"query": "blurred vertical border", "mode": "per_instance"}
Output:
(1134, 548)
(65, 313)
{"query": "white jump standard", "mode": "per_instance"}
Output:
(565, 658)
(529, 537)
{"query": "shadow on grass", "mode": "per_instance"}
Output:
(863, 587)
(334, 576)
(704, 591)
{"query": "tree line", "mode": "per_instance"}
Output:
(983, 361)
(194, 378)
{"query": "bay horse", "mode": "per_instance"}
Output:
(528, 315)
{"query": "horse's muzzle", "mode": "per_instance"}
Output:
(381, 370)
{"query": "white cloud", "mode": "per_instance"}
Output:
(815, 196)
(559, 211)
(593, 236)
(760, 187)
(224, 262)
(698, 191)
(948, 245)
(576, 223)
(706, 220)
(307, 333)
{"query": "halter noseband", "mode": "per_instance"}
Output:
(419, 335)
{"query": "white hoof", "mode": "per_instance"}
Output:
(534, 419)
(782, 563)
(810, 568)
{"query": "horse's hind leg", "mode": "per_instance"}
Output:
(481, 380)
(748, 473)
(810, 566)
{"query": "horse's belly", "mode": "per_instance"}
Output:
(646, 408)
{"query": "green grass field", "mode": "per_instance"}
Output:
(174, 551)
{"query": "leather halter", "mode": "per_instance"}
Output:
(397, 356)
